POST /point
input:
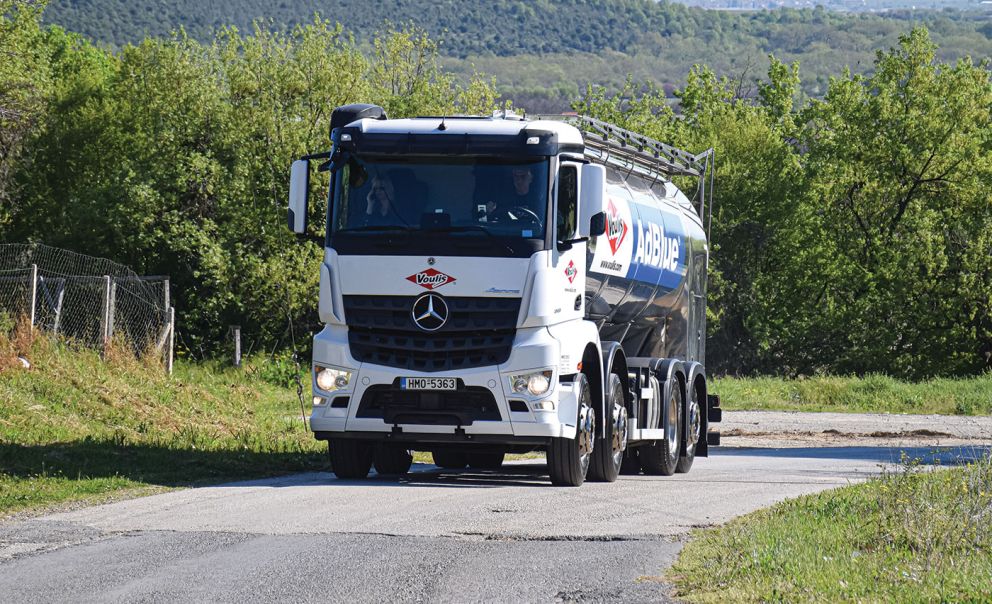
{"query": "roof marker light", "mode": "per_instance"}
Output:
(345, 138)
(533, 140)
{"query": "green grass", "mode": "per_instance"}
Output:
(870, 394)
(911, 536)
(77, 427)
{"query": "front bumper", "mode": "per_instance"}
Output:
(518, 423)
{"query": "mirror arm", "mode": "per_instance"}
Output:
(564, 246)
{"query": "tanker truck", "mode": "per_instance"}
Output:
(497, 285)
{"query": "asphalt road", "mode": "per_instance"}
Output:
(432, 536)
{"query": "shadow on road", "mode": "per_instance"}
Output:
(170, 466)
(148, 464)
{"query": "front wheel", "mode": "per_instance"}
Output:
(568, 458)
(450, 460)
(607, 456)
(660, 457)
(350, 459)
(391, 459)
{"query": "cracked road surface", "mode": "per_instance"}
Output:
(432, 536)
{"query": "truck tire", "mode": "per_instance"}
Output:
(391, 459)
(607, 455)
(693, 432)
(450, 460)
(485, 461)
(569, 458)
(661, 457)
(350, 459)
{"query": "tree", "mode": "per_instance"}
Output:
(900, 165)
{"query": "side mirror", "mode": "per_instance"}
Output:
(299, 188)
(597, 224)
(592, 197)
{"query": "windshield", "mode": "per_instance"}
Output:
(483, 196)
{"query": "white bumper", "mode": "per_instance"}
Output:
(533, 349)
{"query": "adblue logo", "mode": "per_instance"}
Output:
(431, 279)
(654, 249)
(616, 228)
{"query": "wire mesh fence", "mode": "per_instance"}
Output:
(91, 301)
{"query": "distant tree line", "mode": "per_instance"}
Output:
(544, 53)
(851, 234)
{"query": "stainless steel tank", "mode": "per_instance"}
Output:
(646, 278)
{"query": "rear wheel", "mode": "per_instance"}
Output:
(693, 430)
(390, 459)
(568, 458)
(660, 457)
(450, 460)
(608, 453)
(350, 459)
(485, 461)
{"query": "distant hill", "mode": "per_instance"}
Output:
(544, 52)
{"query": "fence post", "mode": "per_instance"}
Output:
(172, 340)
(166, 295)
(237, 344)
(105, 317)
(33, 296)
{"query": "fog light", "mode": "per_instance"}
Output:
(318, 401)
(543, 406)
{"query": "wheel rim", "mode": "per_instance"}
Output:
(672, 429)
(619, 433)
(694, 424)
(586, 436)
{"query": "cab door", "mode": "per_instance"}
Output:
(568, 254)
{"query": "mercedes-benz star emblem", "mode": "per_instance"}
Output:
(430, 312)
(431, 261)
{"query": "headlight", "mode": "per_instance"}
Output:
(534, 383)
(330, 379)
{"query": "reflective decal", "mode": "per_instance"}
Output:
(431, 278)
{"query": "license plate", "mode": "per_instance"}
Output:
(428, 383)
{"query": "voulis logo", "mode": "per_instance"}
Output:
(431, 279)
(616, 228)
(570, 271)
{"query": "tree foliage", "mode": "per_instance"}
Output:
(172, 156)
(851, 234)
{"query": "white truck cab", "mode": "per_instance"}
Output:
(500, 285)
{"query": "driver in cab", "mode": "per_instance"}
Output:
(519, 197)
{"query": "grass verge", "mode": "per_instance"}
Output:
(869, 394)
(917, 535)
(75, 426)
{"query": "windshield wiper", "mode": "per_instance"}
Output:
(466, 228)
(372, 227)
